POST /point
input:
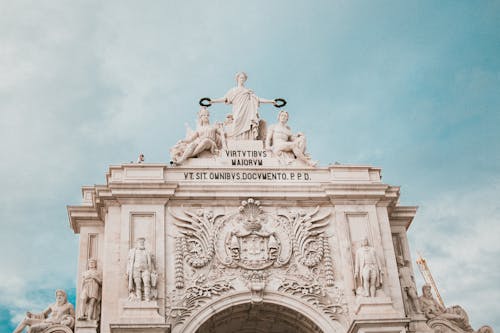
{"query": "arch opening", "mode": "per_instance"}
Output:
(258, 318)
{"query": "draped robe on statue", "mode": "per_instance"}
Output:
(245, 116)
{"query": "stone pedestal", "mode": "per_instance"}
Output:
(144, 312)
(252, 145)
(418, 324)
(375, 307)
(379, 326)
(86, 326)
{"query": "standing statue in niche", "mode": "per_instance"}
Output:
(245, 124)
(407, 281)
(285, 145)
(90, 295)
(367, 270)
(454, 315)
(205, 138)
(140, 273)
(61, 313)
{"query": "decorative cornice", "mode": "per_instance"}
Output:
(402, 215)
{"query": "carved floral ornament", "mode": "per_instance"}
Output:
(254, 247)
(251, 238)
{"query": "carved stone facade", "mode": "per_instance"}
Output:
(223, 247)
(236, 237)
(277, 238)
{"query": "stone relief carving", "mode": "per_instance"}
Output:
(179, 262)
(206, 138)
(408, 288)
(367, 270)
(199, 231)
(195, 296)
(286, 145)
(252, 239)
(90, 295)
(331, 303)
(253, 249)
(59, 315)
(141, 273)
(256, 282)
(307, 230)
(330, 281)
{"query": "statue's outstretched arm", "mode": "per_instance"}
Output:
(218, 100)
(266, 101)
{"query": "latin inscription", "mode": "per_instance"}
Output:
(248, 175)
(246, 157)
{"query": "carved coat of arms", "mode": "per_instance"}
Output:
(252, 239)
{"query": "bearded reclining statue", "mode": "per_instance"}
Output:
(444, 320)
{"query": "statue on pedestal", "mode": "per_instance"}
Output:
(367, 269)
(454, 318)
(205, 138)
(61, 313)
(140, 273)
(246, 121)
(286, 145)
(90, 295)
(408, 288)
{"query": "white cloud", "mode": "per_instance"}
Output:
(458, 232)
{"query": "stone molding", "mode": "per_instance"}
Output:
(136, 182)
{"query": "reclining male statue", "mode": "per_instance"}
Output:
(60, 313)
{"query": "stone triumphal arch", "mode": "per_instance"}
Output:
(243, 232)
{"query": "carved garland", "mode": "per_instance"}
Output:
(194, 298)
(317, 296)
(179, 262)
(328, 263)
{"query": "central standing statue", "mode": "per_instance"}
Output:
(246, 121)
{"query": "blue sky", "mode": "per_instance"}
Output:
(411, 87)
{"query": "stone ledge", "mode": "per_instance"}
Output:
(139, 328)
(397, 325)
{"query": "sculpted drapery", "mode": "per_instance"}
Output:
(245, 117)
(245, 106)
